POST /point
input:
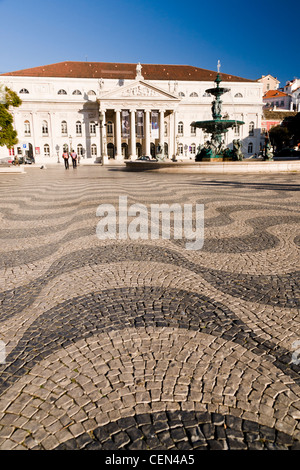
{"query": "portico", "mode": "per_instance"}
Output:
(137, 120)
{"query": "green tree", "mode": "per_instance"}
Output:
(280, 137)
(8, 136)
(292, 124)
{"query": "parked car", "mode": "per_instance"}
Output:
(19, 160)
(146, 158)
(29, 160)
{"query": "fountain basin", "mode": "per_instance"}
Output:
(217, 125)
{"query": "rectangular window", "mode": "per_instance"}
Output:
(64, 128)
(78, 128)
(110, 129)
(27, 128)
(94, 150)
(154, 125)
(125, 124)
(92, 128)
(236, 130)
(180, 128)
(140, 124)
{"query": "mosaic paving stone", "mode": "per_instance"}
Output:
(141, 344)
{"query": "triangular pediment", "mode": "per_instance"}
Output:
(137, 90)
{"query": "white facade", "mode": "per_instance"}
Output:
(269, 83)
(295, 97)
(86, 114)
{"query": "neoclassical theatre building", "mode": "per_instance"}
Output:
(117, 111)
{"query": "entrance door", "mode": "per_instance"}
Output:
(166, 149)
(111, 150)
(152, 150)
(138, 150)
(125, 150)
(30, 151)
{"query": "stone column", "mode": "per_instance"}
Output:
(50, 131)
(147, 133)
(133, 155)
(118, 154)
(103, 141)
(161, 127)
(173, 133)
(33, 132)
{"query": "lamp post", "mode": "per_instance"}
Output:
(101, 136)
(57, 153)
(70, 140)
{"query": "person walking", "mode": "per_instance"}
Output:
(65, 156)
(74, 158)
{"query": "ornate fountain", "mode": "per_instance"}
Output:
(215, 149)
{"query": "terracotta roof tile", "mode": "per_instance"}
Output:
(123, 71)
(274, 94)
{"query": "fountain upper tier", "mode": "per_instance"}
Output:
(215, 125)
(217, 91)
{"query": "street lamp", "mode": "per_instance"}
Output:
(70, 139)
(101, 116)
(57, 152)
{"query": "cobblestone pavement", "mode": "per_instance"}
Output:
(142, 344)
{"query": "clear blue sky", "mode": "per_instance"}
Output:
(250, 38)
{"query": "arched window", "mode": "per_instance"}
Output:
(24, 90)
(94, 150)
(206, 95)
(238, 95)
(91, 93)
(64, 128)
(61, 92)
(27, 128)
(180, 149)
(250, 147)
(78, 128)
(92, 128)
(76, 92)
(181, 93)
(251, 128)
(110, 128)
(180, 128)
(193, 130)
(193, 148)
(45, 128)
(47, 150)
(79, 150)
(194, 95)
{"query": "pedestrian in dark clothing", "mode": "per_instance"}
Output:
(65, 156)
(74, 159)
